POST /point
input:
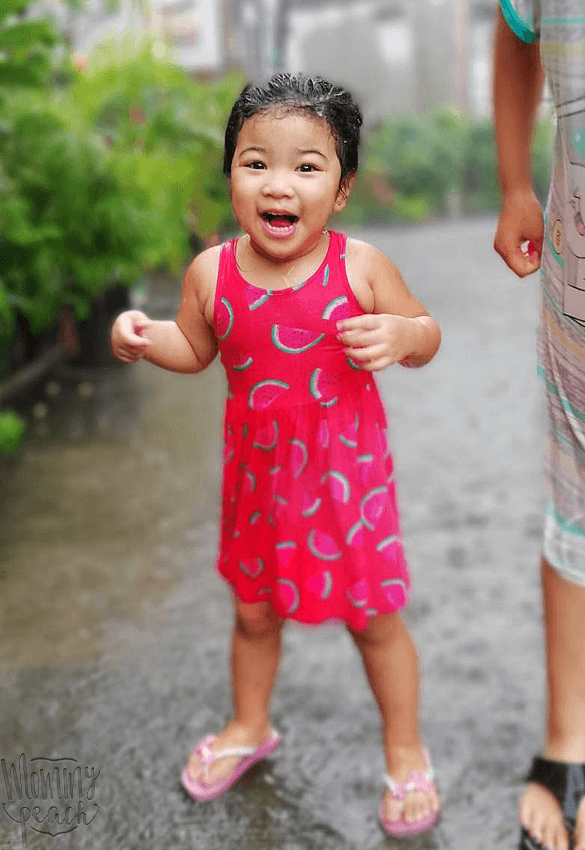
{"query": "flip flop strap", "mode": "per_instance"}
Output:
(415, 782)
(566, 780)
(209, 756)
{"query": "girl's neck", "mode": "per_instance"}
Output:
(276, 273)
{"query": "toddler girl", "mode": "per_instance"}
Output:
(301, 317)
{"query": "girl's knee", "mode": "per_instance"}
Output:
(380, 630)
(254, 620)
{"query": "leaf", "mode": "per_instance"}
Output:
(12, 7)
(22, 74)
(27, 35)
(12, 430)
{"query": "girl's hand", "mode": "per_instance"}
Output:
(376, 340)
(126, 338)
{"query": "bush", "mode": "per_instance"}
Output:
(102, 179)
(12, 428)
(421, 159)
(168, 130)
(25, 47)
(69, 226)
(415, 167)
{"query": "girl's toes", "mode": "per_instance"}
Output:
(417, 806)
(194, 769)
(413, 808)
(392, 808)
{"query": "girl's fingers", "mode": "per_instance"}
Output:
(130, 353)
(375, 365)
(358, 337)
(131, 341)
(138, 328)
(368, 353)
(365, 321)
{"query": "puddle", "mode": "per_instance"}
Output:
(118, 462)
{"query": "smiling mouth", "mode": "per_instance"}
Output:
(279, 219)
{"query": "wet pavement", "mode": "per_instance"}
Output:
(114, 628)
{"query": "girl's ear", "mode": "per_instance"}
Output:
(343, 193)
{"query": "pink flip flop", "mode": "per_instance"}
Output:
(249, 755)
(415, 782)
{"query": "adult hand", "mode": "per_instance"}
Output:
(520, 223)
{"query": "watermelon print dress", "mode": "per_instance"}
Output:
(309, 516)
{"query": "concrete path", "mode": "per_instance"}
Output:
(114, 629)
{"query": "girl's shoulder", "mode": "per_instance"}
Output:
(205, 265)
(358, 249)
(201, 278)
(365, 262)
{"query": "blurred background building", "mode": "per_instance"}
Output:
(397, 56)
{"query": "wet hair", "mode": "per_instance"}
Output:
(290, 93)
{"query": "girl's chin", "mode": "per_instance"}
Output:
(282, 247)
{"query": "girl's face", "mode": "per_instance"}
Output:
(284, 183)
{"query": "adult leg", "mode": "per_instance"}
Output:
(254, 663)
(564, 623)
(391, 664)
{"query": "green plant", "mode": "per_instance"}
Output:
(161, 122)
(104, 178)
(12, 430)
(420, 157)
(25, 47)
(413, 165)
(481, 187)
(69, 227)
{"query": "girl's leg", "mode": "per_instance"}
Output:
(564, 622)
(254, 664)
(391, 665)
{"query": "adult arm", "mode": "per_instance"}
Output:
(517, 89)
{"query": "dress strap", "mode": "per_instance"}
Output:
(336, 260)
(226, 259)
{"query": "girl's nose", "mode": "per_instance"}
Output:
(277, 185)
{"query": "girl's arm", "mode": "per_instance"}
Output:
(188, 343)
(395, 328)
(517, 89)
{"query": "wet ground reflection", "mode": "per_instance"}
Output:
(114, 628)
(98, 483)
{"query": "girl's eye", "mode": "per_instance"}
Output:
(307, 167)
(255, 164)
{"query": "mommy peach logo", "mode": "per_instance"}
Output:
(49, 796)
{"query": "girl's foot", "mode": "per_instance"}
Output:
(417, 805)
(232, 737)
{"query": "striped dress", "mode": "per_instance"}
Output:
(559, 26)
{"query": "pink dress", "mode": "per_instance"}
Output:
(309, 518)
